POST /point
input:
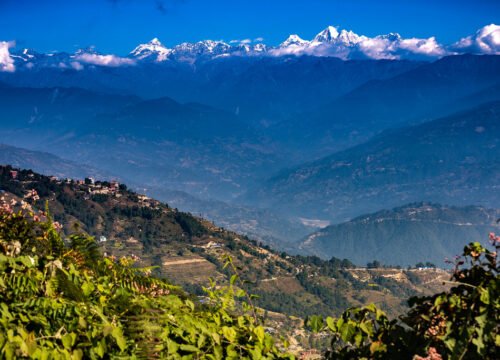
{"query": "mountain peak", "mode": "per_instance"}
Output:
(328, 35)
(152, 49)
(349, 37)
(294, 39)
(155, 41)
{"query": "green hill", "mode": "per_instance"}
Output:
(419, 232)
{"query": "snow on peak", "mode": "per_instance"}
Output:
(485, 41)
(331, 42)
(154, 49)
(87, 50)
(259, 48)
(349, 38)
(327, 36)
(156, 42)
(189, 51)
(293, 40)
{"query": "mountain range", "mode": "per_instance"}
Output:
(329, 42)
(451, 160)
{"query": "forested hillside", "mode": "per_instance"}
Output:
(414, 233)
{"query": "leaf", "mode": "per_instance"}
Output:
(88, 288)
(190, 304)
(260, 333)
(377, 346)
(331, 324)
(358, 339)
(229, 333)
(481, 320)
(450, 343)
(99, 349)
(172, 347)
(201, 341)
(218, 352)
(241, 321)
(119, 338)
(315, 323)
(484, 295)
(216, 338)
(347, 331)
(256, 353)
(189, 348)
(366, 329)
(68, 340)
(233, 279)
(77, 354)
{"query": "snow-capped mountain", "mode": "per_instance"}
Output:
(152, 50)
(294, 40)
(329, 35)
(331, 42)
(200, 49)
(348, 38)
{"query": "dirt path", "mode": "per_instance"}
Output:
(182, 262)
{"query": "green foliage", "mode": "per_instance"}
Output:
(462, 323)
(63, 300)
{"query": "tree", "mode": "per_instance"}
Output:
(374, 265)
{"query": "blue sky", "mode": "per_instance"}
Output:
(116, 26)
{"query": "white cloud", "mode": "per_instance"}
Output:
(394, 47)
(485, 41)
(258, 39)
(241, 41)
(426, 47)
(6, 61)
(104, 60)
(377, 48)
(76, 65)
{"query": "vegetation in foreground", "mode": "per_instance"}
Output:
(64, 300)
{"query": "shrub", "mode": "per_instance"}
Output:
(64, 300)
(462, 323)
